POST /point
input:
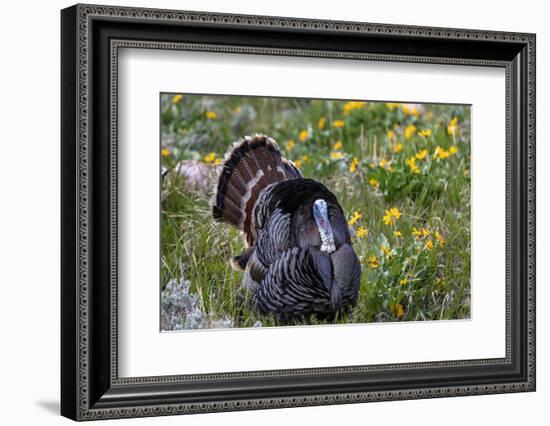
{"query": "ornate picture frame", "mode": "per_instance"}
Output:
(91, 37)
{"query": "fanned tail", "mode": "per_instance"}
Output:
(251, 165)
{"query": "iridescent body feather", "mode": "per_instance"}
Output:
(299, 260)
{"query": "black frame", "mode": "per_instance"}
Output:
(91, 37)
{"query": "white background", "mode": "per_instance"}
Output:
(29, 224)
(140, 343)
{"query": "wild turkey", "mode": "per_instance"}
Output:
(299, 260)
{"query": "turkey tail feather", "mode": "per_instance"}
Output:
(251, 165)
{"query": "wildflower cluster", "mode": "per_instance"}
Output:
(400, 258)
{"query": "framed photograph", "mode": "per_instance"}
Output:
(263, 212)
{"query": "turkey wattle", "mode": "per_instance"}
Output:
(299, 260)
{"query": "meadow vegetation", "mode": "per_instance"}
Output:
(400, 171)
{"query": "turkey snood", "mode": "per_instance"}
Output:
(320, 213)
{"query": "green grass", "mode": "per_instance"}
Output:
(403, 278)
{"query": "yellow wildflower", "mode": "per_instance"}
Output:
(411, 162)
(305, 158)
(398, 234)
(444, 154)
(321, 123)
(391, 215)
(453, 150)
(212, 115)
(373, 262)
(349, 106)
(386, 250)
(422, 232)
(397, 148)
(410, 131)
(374, 182)
(390, 134)
(303, 135)
(177, 99)
(237, 109)
(210, 158)
(409, 109)
(429, 244)
(290, 145)
(356, 216)
(395, 212)
(337, 146)
(353, 165)
(336, 155)
(452, 127)
(218, 161)
(165, 152)
(362, 232)
(420, 155)
(441, 153)
(298, 163)
(440, 238)
(404, 281)
(338, 123)
(384, 163)
(397, 310)
(391, 105)
(425, 133)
